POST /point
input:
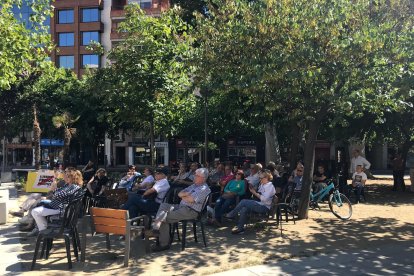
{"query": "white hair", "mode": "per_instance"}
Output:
(202, 172)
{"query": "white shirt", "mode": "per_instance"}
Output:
(359, 177)
(267, 191)
(254, 180)
(359, 161)
(161, 186)
(148, 179)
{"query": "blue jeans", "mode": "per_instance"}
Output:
(137, 204)
(222, 207)
(244, 208)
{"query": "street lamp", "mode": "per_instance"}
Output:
(204, 94)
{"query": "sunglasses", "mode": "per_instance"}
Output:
(299, 170)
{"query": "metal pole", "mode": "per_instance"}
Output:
(205, 130)
(4, 154)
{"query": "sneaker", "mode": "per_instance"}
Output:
(17, 213)
(34, 233)
(237, 231)
(25, 220)
(227, 216)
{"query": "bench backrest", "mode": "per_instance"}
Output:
(109, 221)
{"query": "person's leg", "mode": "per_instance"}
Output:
(226, 206)
(218, 208)
(249, 206)
(162, 214)
(180, 213)
(147, 206)
(237, 209)
(401, 178)
(39, 214)
(358, 191)
(395, 180)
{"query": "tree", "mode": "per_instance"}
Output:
(150, 82)
(304, 60)
(22, 50)
(66, 121)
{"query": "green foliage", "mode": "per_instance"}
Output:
(149, 79)
(22, 50)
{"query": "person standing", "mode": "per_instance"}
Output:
(398, 168)
(357, 159)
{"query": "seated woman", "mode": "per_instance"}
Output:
(97, 184)
(147, 203)
(234, 188)
(261, 205)
(320, 179)
(147, 182)
(60, 198)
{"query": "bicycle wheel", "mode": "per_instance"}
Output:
(340, 205)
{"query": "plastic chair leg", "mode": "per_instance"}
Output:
(75, 247)
(38, 241)
(203, 233)
(67, 243)
(195, 231)
(184, 230)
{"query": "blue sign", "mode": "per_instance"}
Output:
(51, 142)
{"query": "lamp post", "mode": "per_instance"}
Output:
(204, 95)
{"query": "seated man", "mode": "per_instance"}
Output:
(254, 179)
(147, 181)
(320, 179)
(192, 200)
(358, 181)
(262, 205)
(150, 200)
(189, 178)
(60, 198)
(128, 180)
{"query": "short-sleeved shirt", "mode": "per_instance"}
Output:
(161, 186)
(298, 181)
(254, 180)
(199, 193)
(100, 182)
(326, 174)
(359, 177)
(148, 179)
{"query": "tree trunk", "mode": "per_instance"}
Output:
(309, 160)
(405, 149)
(66, 144)
(152, 143)
(294, 145)
(36, 138)
(272, 143)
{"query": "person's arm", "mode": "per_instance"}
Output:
(89, 185)
(364, 179)
(149, 191)
(366, 163)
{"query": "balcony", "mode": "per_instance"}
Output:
(153, 8)
(82, 3)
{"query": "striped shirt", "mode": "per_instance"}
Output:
(199, 193)
(63, 195)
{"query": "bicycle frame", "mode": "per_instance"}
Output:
(322, 193)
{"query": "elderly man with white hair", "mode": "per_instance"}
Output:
(192, 200)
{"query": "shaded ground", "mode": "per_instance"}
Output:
(385, 219)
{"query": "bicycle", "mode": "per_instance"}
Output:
(339, 204)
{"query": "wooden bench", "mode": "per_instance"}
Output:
(111, 221)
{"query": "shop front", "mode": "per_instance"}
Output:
(241, 149)
(51, 152)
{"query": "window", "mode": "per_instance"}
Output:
(67, 62)
(91, 61)
(87, 37)
(90, 15)
(66, 39)
(144, 4)
(65, 16)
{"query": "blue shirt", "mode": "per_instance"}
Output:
(199, 193)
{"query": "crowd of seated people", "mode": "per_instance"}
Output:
(240, 191)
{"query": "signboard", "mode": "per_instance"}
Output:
(161, 144)
(51, 142)
(40, 181)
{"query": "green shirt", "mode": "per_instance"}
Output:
(236, 186)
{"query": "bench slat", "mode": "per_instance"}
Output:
(110, 229)
(109, 213)
(109, 221)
